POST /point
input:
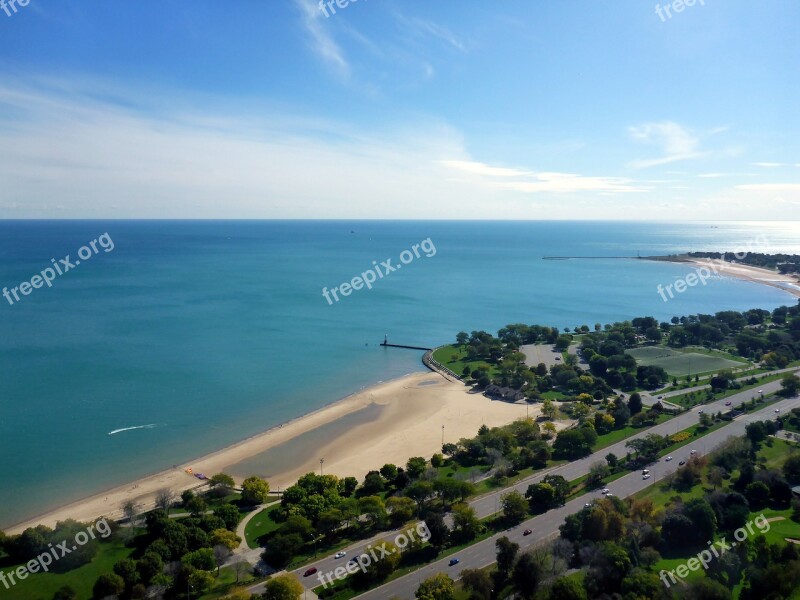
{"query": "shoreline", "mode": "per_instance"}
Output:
(791, 285)
(398, 432)
(402, 429)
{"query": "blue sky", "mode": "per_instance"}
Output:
(521, 109)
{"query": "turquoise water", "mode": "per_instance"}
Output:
(214, 331)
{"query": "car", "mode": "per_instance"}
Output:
(609, 495)
(683, 462)
(645, 471)
(646, 476)
(700, 412)
(339, 554)
(558, 358)
(454, 561)
(693, 452)
(669, 458)
(587, 505)
(352, 561)
(728, 403)
(760, 391)
(605, 490)
(660, 398)
(777, 410)
(527, 532)
(310, 571)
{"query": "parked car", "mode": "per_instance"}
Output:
(693, 452)
(645, 471)
(310, 571)
(669, 458)
(605, 490)
(646, 476)
(683, 462)
(339, 554)
(728, 403)
(527, 532)
(454, 561)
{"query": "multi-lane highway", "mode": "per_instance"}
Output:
(546, 526)
(489, 503)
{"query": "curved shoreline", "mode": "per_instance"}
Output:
(413, 409)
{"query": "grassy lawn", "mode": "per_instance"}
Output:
(42, 586)
(226, 582)
(612, 437)
(260, 525)
(445, 356)
(685, 361)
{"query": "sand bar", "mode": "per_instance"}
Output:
(413, 410)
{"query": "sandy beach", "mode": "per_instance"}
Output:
(786, 283)
(412, 411)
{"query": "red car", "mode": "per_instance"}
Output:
(310, 571)
(527, 532)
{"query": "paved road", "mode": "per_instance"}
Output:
(489, 503)
(546, 526)
(699, 388)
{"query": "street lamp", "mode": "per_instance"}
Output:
(321, 461)
(442, 435)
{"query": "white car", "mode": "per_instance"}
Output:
(605, 491)
(609, 495)
(340, 554)
(693, 452)
(646, 476)
(669, 458)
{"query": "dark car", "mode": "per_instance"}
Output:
(683, 462)
(527, 532)
(454, 561)
(310, 571)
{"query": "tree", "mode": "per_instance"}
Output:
(527, 575)
(221, 554)
(389, 472)
(791, 469)
(65, 593)
(597, 472)
(790, 385)
(437, 587)
(439, 532)
(462, 337)
(240, 567)
(131, 511)
(506, 555)
(541, 497)
(223, 537)
(109, 584)
(164, 499)
(401, 509)
(416, 466)
(126, 568)
(612, 460)
(202, 559)
(478, 582)
(254, 490)
(197, 506)
(373, 508)
(201, 581)
(466, 525)
(373, 483)
(222, 484)
(283, 587)
(567, 588)
(549, 409)
(420, 492)
(437, 460)
(514, 507)
(229, 515)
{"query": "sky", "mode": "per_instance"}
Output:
(400, 109)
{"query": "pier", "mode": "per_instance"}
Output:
(385, 343)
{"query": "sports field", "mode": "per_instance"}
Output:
(678, 363)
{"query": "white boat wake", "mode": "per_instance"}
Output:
(150, 426)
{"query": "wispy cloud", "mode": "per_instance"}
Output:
(677, 143)
(320, 38)
(769, 165)
(770, 187)
(537, 182)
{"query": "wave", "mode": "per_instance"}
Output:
(150, 426)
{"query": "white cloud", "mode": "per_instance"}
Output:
(770, 187)
(322, 41)
(769, 165)
(677, 143)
